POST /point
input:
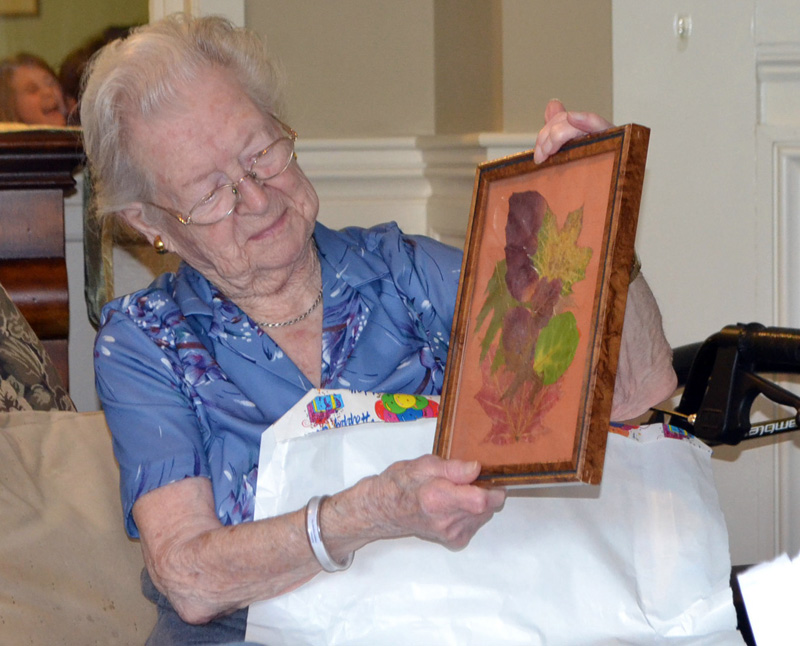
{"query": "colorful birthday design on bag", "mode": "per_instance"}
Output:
(321, 410)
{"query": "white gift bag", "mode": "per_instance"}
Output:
(640, 559)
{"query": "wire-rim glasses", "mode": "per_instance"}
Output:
(219, 203)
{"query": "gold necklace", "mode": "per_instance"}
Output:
(296, 319)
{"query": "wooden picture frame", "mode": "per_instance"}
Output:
(541, 302)
(19, 7)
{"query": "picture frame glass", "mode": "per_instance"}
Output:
(522, 426)
(530, 379)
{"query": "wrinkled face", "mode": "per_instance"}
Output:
(210, 139)
(38, 96)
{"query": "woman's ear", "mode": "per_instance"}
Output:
(135, 218)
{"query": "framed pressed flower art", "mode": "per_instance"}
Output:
(541, 302)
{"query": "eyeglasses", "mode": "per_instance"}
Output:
(218, 204)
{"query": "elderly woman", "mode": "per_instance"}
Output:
(30, 92)
(185, 146)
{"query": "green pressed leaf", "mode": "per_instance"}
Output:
(556, 347)
(498, 302)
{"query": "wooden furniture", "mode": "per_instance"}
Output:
(36, 172)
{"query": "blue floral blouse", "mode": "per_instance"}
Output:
(189, 382)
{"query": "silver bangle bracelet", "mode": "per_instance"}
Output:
(315, 538)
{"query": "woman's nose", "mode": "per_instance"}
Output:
(254, 196)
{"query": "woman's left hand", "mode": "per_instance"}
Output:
(562, 126)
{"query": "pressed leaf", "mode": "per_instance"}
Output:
(521, 275)
(559, 255)
(556, 347)
(518, 343)
(520, 331)
(544, 299)
(498, 302)
(526, 211)
(519, 418)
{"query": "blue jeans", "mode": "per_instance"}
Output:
(171, 629)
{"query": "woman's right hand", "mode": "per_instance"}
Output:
(434, 499)
(207, 570)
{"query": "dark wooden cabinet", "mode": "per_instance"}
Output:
(36, 172)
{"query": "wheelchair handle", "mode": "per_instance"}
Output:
(767, 349)
(721, 384)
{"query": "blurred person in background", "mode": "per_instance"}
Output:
(30, 92)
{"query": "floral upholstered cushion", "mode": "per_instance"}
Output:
(28, 378)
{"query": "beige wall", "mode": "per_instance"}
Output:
(395, 67)
(555, 50)
(469, 63)
(419, 67)
(355, 67)
(63, 25)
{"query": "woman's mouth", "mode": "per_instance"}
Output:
(53, 115)
(272, 230)
(50, 107)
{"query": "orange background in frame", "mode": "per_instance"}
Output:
(588, 188)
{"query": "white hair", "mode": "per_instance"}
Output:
(140, 76)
